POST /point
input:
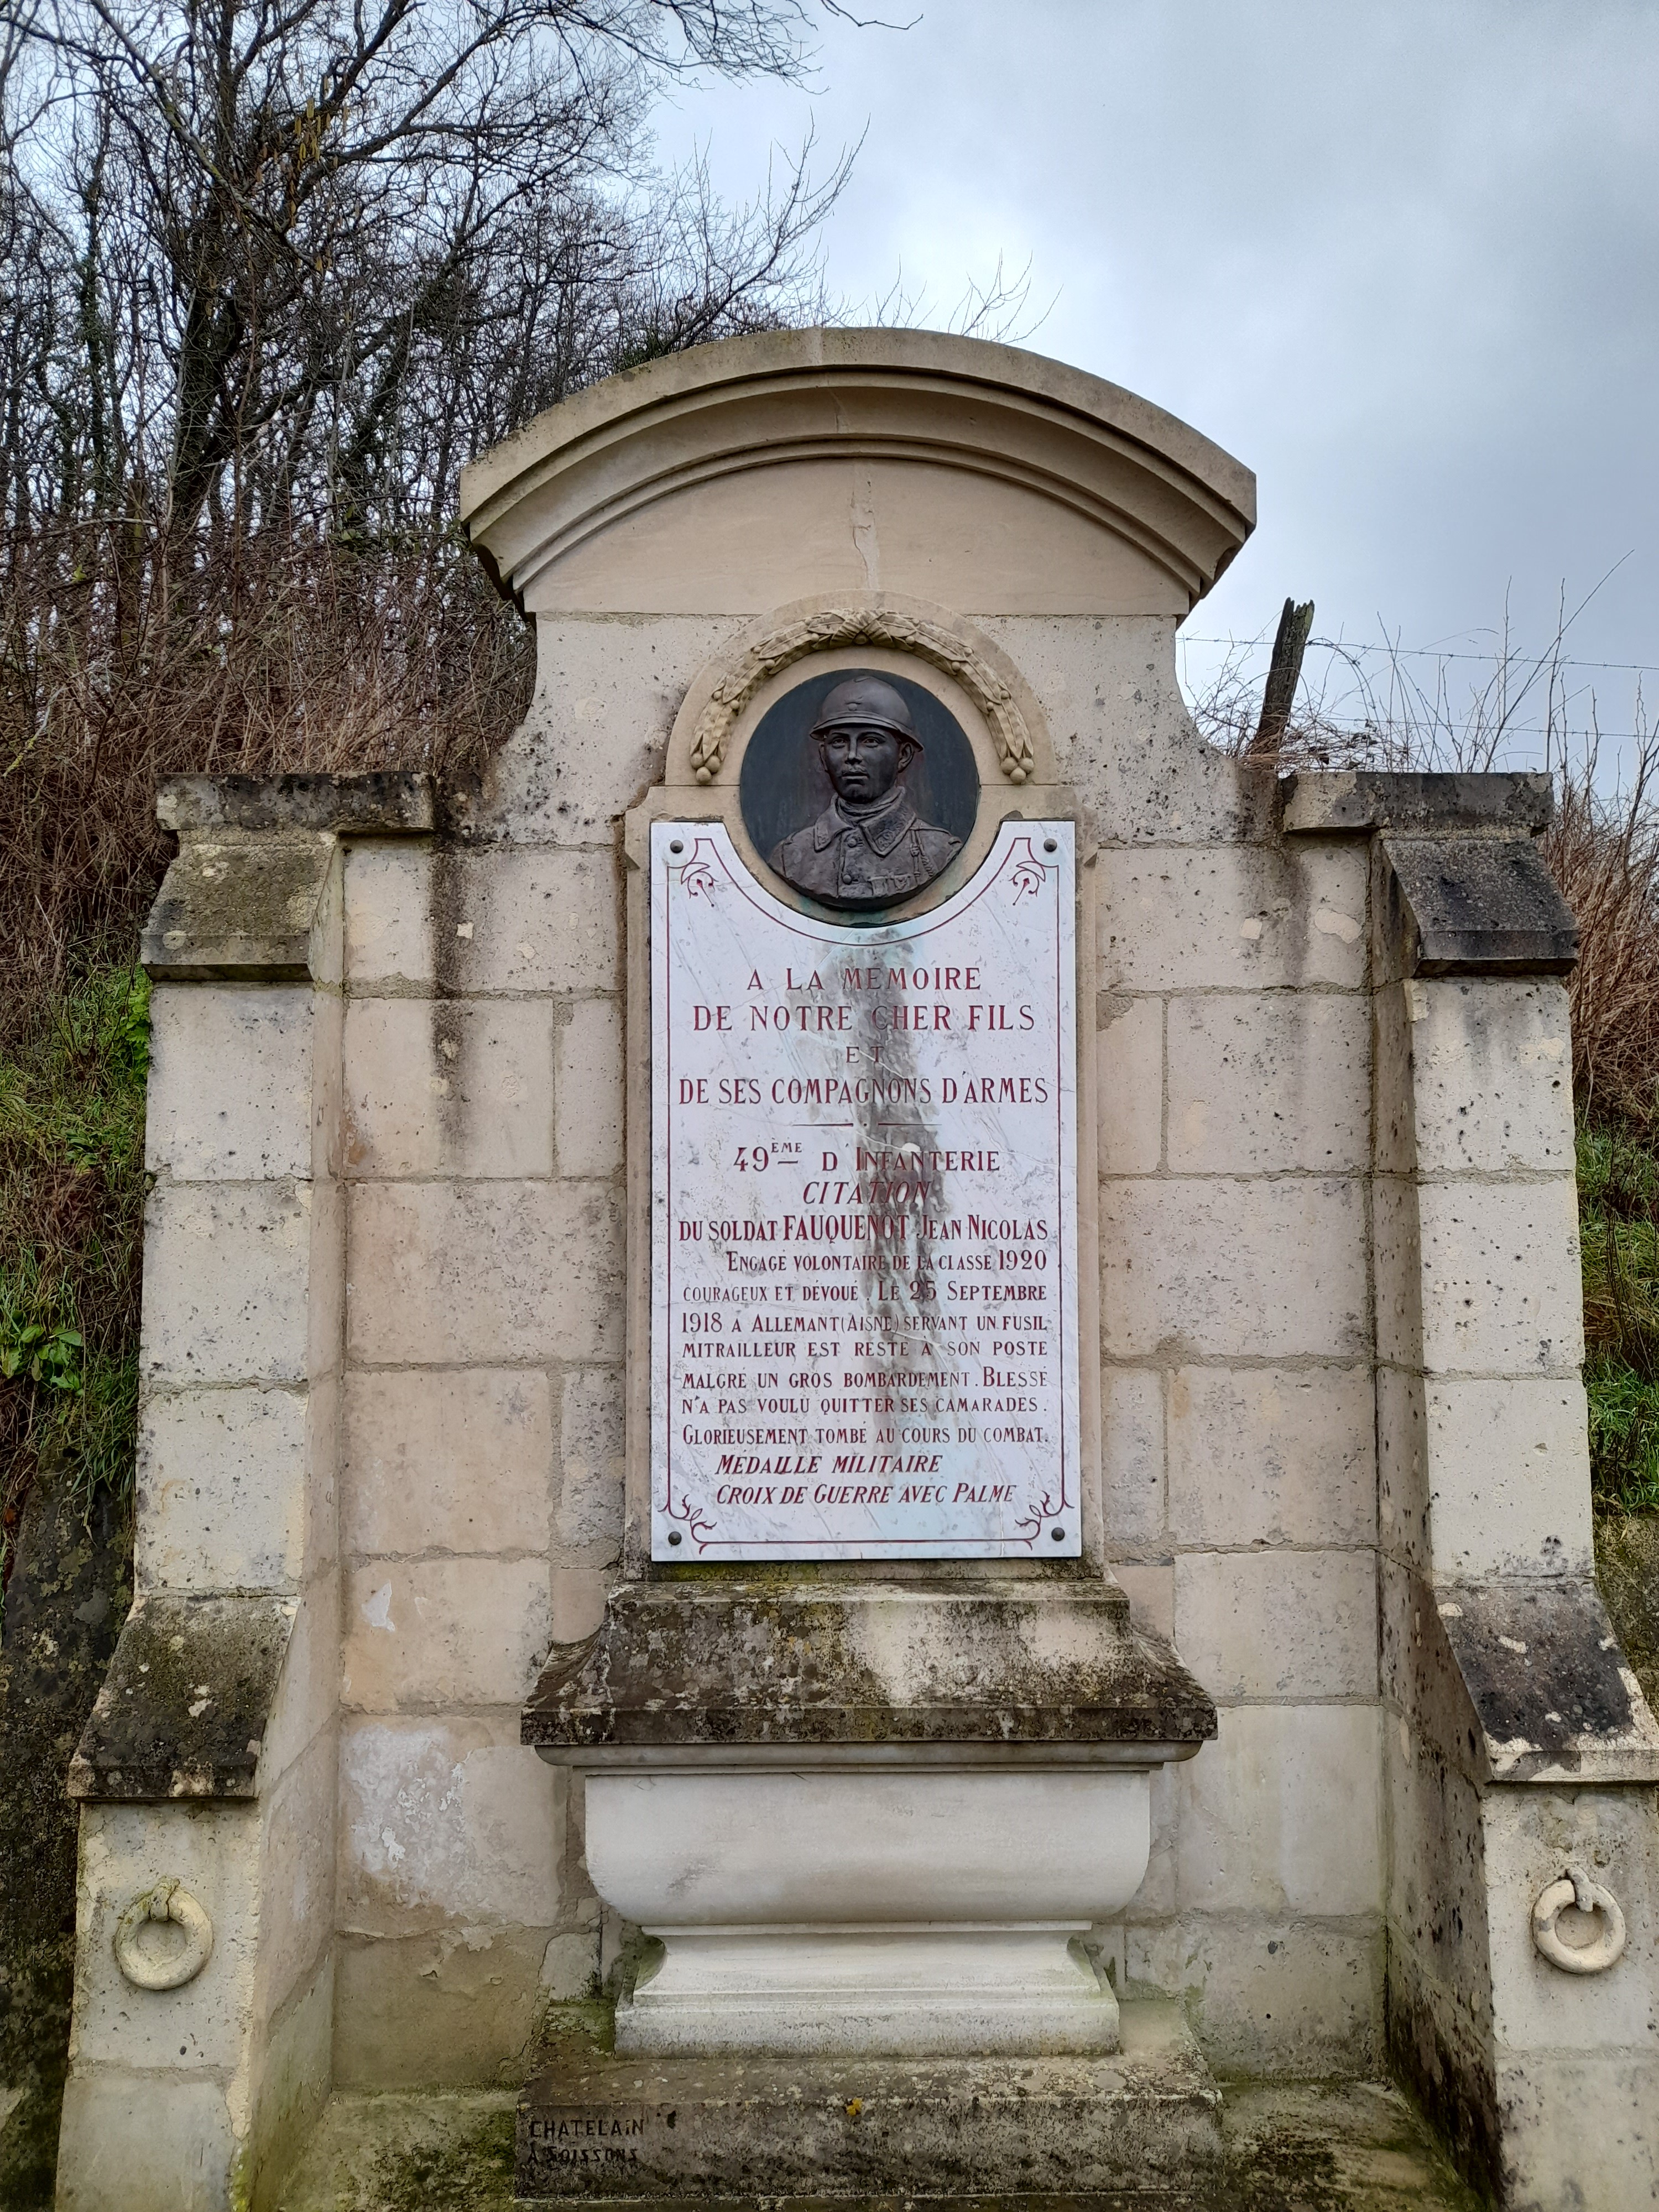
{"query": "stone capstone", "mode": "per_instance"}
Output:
(184, 1706)
(997, 1661)
(1481, 905)
(1521, 1679)
(1363, 799)
(241, 906)
(391, 803)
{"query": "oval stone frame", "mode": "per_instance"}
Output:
(782, 788)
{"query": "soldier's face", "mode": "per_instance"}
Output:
(863, 760)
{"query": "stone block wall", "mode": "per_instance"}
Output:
(1237, 1452)
(481, 1484)
(480, 1493)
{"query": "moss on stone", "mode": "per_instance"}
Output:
(472, 2170)
(67, 1599)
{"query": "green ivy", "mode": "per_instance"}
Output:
(1619, 1237)
(71, 1211)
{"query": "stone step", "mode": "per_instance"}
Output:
(1289, 2146)
(604, 2128)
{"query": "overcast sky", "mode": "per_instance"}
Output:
(1399, 256)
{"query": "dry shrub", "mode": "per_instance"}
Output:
(277, 658)
(1603, 851)
(1602, 847)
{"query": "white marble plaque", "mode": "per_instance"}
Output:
(864, 1239)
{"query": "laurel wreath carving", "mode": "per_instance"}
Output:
(841, 626)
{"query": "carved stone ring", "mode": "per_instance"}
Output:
(1604, 1950)
(166, 1901)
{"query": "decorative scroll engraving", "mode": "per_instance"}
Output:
(843, 626)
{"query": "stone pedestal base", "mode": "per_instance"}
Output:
(1143, 2125)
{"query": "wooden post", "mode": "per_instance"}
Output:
(1285, 668)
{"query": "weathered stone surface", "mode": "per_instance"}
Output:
(1282, 1994)
(440, 1085)
(245, 907)
(1529, 1836)
(1473, 906)
(597, 731)
(1129, 1094)
(1275, 1455)
(592, 1468)
(532, 920)
(1517, 1680)
(1123, 738)
(1147, 1580)
(444, 1820)
(184, 1706)
(420, 1633)
(1492, 1078)
(1231, 918)
(141, 2140)
(766, 1661)
(588, 1088)
(298, 1820)
(1283, 1815)
(1261, 1082)
(230, 1082)
(715, 532)
(484, 1273)
(1553, 2156)
(593, 2127)
(1132, 1454)
(222, 1489)
(1288, 1625)
(1359, 2145)
(226, 1272)
(1437, 2048)
(456, 1461)
(1500, 1286)
(449, 2008)
(1507, 1468)
(1228, 1268)
(1358, 799)
(383, 803)
(1437, 1904)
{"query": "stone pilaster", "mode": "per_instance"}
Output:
(1516, 1741)
(211, 1759)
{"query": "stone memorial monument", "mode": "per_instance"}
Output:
(861, 1439)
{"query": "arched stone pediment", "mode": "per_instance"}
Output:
(740, 476)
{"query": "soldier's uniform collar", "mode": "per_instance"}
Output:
(881, 830)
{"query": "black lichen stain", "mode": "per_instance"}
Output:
(64, 1606)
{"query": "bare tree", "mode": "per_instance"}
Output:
(286, 226)
(273, 270)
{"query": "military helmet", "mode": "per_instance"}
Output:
(868, 699)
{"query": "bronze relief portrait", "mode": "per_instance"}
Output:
(859, 789)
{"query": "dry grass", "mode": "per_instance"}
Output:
(287, 658)
(279, 659)
(1603, 851)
